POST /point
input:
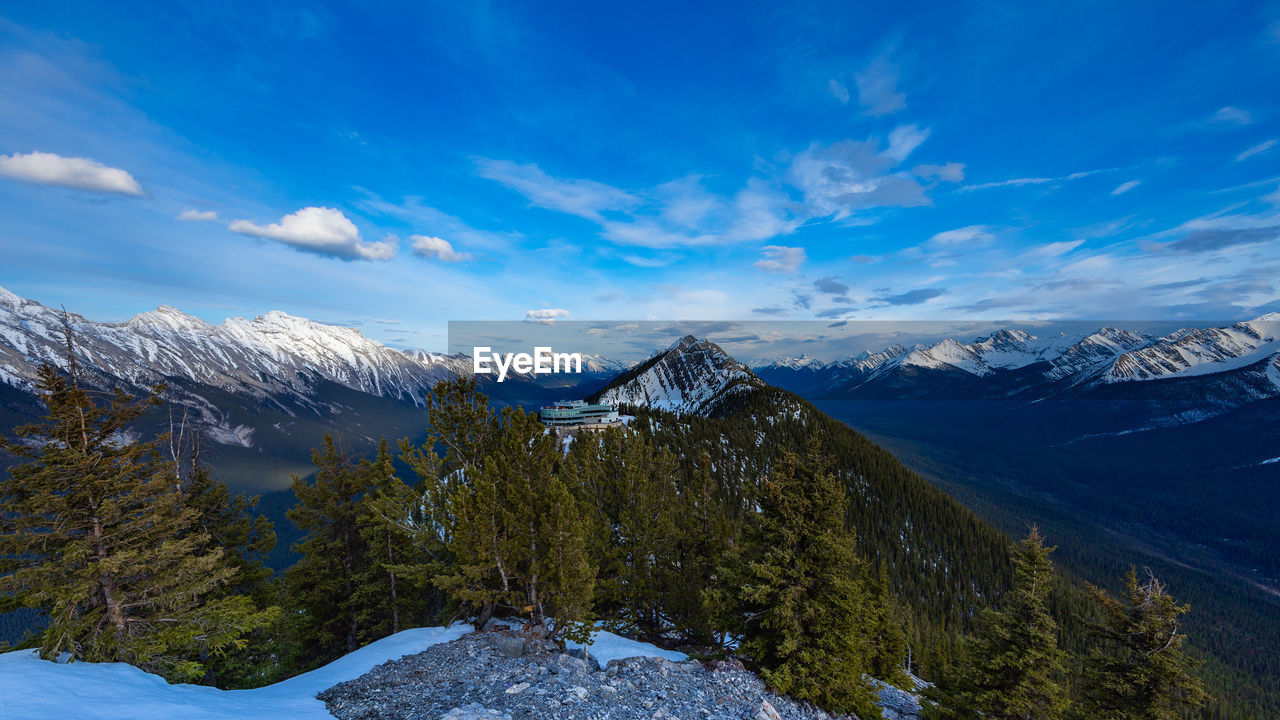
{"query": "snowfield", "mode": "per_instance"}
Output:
(35, 689)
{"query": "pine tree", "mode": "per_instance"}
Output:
(386, 606)
(631, 485)
(888, 639)
(1011, 668)
(1139, 670)
(229, 522)
(570, 575)
(95, 532)
(323, 585)
(516, 546)
(704, 531)
(806, 602)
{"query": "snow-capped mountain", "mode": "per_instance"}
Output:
(693, 376)
(1108, 355)
(801, 362)
(1095, 353)
(1191, 352)
(273, 355)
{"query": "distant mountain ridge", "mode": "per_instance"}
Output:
(1046, 366)
(273, 354)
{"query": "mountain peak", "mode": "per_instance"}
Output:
(693, 376)
(9, 299)
(166, 318)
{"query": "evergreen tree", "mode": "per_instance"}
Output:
(323, 585)
(515, 545)
(570, 574)
(704, 532)
(385, 605)
(229, 522)
(1011, 668)
(803, 593)
(96, 533)
(1139, 670)
(631, 485)
(888, 639)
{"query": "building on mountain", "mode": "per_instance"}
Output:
(579, 414)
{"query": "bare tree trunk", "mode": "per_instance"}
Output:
(486, 612)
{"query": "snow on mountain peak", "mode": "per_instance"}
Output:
(276, 354)
(166, 319)
(691, 376)
(8, 299)
(1193, 351)
(1266, 326)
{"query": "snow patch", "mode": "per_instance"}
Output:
(606, 646)
(35, 689)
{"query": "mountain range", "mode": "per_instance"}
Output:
(1106, 356)
(1119, 444)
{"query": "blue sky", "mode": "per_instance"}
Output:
(398, 167)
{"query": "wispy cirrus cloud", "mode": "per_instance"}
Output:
(1125, 187)
(320, 230)
(584, 198)
(1256, 149)
(78, 173)
(877, 82)
(1232, 116)
(1020, 181)
(842, 181)
(972, 235)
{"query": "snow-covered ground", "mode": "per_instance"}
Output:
(606, 646)
(35, 689)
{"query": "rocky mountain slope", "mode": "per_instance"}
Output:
(500, 675)
(271, 356)
(693, 376)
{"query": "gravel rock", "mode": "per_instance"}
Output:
(471, 679)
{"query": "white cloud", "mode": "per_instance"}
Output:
(839, 179)
(584, 198)
(191, 215)
(780, 259)
(1256, 150)
(839, 91)
(878, 87)
(903, 140)
(321, 230)
(1125, 187)
(1017, 182)
(73, 172)
(545, 316)
(1233, 116)
(437, 248)
(836, 181)
(1055, 249)
(970, 236)
(949, 172)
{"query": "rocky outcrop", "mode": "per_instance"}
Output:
(481, 677)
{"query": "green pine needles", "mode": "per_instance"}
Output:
(97, 533)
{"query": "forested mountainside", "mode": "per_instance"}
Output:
(942, 559)
(1240, 673)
